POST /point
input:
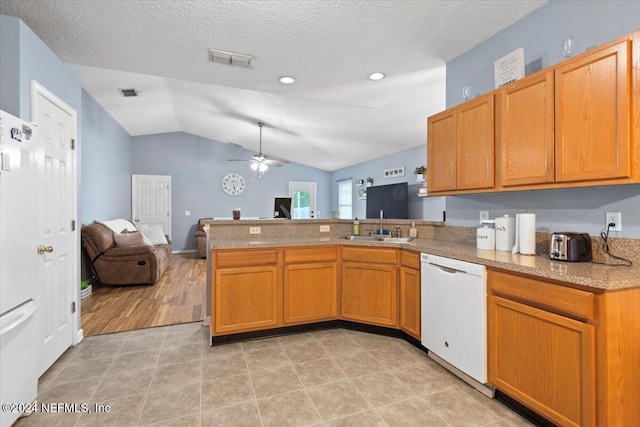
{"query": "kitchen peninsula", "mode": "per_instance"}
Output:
(564, 338)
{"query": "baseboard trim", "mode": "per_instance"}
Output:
(184, 251)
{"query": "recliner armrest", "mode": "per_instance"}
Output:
(126, 251)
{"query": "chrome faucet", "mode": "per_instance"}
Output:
(381, 216)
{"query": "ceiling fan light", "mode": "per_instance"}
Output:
(254, 166)
(287, 80)
(263, 167)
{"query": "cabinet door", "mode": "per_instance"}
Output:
(370, 293)
(544, 360)
(526, 131)
(475, 144)
(593, 110)
(410, 301)
(310, 292)
(246, 299)
(441, 152)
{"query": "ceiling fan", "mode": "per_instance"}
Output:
(259, 161)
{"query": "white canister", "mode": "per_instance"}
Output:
(505, 233)
(486, 238)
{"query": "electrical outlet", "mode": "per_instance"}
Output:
(484, 215)
(255, 230)
(615, 218)
(325, 228)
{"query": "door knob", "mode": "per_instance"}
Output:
(43, 249)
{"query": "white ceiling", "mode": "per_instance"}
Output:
(332, 117)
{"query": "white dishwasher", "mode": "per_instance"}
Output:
(454, 317)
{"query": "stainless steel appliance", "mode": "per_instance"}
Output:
(454, 317)
(569, 246)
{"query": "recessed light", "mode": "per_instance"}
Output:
(287, 80)
(376, 76)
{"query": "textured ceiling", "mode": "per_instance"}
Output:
(332, 117)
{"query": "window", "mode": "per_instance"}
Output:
(345, 198)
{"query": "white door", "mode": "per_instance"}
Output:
(58, 283)
(303, 200)
(151, 201)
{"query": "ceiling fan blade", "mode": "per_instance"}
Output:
(239, 160)
(273, 162)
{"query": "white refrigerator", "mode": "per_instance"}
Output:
(18, 266)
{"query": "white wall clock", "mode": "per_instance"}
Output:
(233, 184)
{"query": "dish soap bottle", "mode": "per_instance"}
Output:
(413, 231)
(356, 227)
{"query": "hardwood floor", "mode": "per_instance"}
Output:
(178, 297)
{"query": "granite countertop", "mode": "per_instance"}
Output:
(585, 274)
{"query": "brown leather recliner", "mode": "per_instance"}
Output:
(127, 265)
(201, 238)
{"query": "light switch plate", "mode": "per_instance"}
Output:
(325, 228)
(187, 213)
(255, 230)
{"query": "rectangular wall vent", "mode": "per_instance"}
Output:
(128, 92)
(230, 58)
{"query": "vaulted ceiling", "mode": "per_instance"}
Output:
(333, 116)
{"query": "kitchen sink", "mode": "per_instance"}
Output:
(365, 238)
(396, 239)
(388, 239)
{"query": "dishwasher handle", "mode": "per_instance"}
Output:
(446, 269)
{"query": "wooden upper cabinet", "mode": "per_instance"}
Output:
(460, 147)
(475, 143)
(593, 113)
(525, 132)
(441, 152)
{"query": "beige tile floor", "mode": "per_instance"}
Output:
(170, 376)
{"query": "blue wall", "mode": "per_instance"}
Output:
(196, 166)
(540, 33)
(24, 58)
(10, 64)
(107, 164)
(429, 208)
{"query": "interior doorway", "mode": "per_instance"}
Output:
(303, 200)
(57, 269)
(151, 201)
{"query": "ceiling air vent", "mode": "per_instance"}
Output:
(230, 58)
(128, 92)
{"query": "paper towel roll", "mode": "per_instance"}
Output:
(527, 233)
(505, 233)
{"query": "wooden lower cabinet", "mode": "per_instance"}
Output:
(572, 355)
(310, 292)
(246, 299)
(370, 293)
(410, 320)
(544, 360)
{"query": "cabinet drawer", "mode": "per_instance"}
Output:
(316, 254)
(244, 258)
(410, 259)
(559, 299)
(370, 255)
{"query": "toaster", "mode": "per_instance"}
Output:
(568, 246)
